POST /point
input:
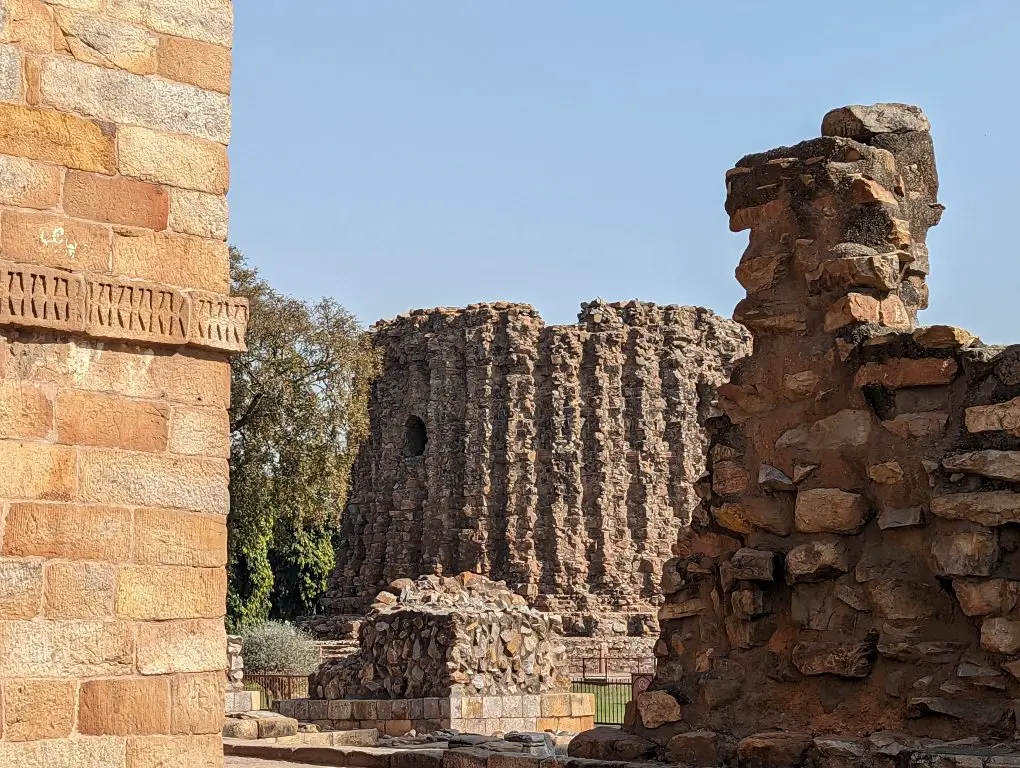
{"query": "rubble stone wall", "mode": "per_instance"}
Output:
(558, 459)
(115, 331)
(855, 565)
(438, 636)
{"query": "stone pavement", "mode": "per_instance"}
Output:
(253, 762)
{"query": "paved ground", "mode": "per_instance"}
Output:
(251, 762)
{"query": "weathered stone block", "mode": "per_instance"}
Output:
(198, 213)
(175, 160)
(166, 647)
(830, 510)
(100, 40)
(161, 593)
(208, 20)
(28, 184)
(124, 707)
(38, 709)
(84, 418)
(55, 241)
(167, 537)
(79, 591)
(68, 532)
(188, 262)
(817, 560)
(657, 708)
(200, 64)
(56, 137)
(174, 752)
(37, 471)
(116, 200)
(986, 508)
(122, 97)
(196, 703)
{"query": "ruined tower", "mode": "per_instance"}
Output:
(561, 459)
(115, 332)
(855, 564)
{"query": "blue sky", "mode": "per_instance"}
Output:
(396, 154)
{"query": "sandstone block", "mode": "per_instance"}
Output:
(129, 99)
(79, 591)
(728, 477)
(57, 137)
(657, 708)
(116, 200)
(965, 553)
(985, 508)
(752, 564)
(211, 21)
(175, 752)
(830, 510)
(862, 122)
(85, 418)
(201, 64)
(66, 649)
(10, 73)
(845, 429)
(200, 432)
(186, 483)
(732, 517)
(28, 184)
(980, 597)
(879, 271)
(943, 337)
(188, 262)
(198, 213)
(107, 42)
(21, 585)
(850, 309)
(179, 161)
(844, 658)
(37, 471)
(124, 707)
(581, 704)
(1001, 465)
(556, 705)
(197, 703)
(55, 241)
(29, 24)
(886, 473)
(903, 599)
(913, 426)
(698, 749)
(167, 647)
(103, 752)
(773, 749)
(161, 593)
(25, 411)
(906, 372)
(239, 728)
(817, 560)
(167, 537)
(68, 532)
(38, 709)
(990, 418)
(1000, 635)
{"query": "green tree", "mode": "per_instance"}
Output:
(299, 411)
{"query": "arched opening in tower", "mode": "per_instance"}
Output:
(415, 437)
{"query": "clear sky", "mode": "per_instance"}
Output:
(396, 154)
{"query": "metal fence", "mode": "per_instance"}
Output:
(277, 686)
(613, 681)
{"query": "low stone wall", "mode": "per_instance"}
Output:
(486, 715)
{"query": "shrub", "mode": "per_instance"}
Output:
(277, 648)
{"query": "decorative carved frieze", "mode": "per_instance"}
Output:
(218, 322)
(40, 297)
(124, 309)
(118, 308)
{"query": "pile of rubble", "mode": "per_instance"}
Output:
(428, 637)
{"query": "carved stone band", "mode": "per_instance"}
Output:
(115, 308)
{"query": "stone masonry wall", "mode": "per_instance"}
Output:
(115, 331)
(558, 459)
(856, 564)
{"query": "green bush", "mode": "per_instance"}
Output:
(282, 649)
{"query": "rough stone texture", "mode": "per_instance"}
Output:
(113, 387)
(440, 635)
(558, 459)
(893, 603)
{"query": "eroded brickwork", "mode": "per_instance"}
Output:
(114, 382)
(558, 459)
(855, 566)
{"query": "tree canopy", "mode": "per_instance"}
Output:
(299, 410)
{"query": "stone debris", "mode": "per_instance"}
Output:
(428, 637)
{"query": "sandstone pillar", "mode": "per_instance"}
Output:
(115, 331)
